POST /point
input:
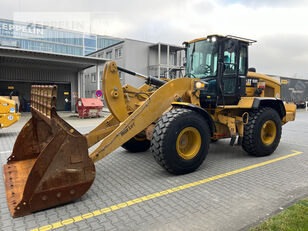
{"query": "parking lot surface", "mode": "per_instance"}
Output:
(230, 191)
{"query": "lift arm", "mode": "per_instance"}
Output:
(132, 124)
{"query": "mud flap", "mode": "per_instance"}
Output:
(49, 165)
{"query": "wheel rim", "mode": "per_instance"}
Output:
(268, 132)
(188, 143)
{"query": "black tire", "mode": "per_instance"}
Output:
(137, 145)
(165, 135)
(214, 140)
(252, 142)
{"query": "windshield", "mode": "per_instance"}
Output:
(202, 59)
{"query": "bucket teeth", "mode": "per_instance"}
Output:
(49, 164)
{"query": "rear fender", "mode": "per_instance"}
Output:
(274, 103)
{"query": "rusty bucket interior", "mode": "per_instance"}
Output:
(49, 164)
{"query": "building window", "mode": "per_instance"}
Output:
(109, 55)
(172, 59)
(93, 78)
(118, 53)
(88, 94)
(101, 55)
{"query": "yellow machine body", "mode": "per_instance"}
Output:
(8, 113)
(137, 115)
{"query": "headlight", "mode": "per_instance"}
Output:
(198, 85)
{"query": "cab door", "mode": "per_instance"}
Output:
(234, 71)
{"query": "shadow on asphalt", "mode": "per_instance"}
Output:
(8, 134)
(218, 153)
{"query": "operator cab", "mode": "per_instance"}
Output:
(221, 63)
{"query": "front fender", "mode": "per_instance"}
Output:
(199, 110)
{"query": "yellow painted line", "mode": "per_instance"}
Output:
(159, 194)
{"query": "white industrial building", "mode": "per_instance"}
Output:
(154, 59)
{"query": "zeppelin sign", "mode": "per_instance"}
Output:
(10, 29)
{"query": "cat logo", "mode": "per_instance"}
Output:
(284, 81)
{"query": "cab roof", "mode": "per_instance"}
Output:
(249, 41)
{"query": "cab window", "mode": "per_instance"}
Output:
(243, 61)
(229, 63)
(229, 68)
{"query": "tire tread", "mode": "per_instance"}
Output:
(160, 131)
(249, 143)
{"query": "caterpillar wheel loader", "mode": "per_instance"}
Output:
(176, 119)
(8, 112)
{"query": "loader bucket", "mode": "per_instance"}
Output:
(49, 164)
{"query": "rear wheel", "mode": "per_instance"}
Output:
(180, 141)
(262, 132)
(137, 144)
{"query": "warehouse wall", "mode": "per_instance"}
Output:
(31, 74)
(28, 76)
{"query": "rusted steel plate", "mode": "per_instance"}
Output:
(49, 164)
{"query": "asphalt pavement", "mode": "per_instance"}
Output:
(230, 191)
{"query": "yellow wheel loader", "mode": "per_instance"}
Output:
(8, 112)
(176, 119)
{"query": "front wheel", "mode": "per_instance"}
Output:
(180, 141)
(262, 132)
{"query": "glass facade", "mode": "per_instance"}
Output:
(102, 42)
(42, 38)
